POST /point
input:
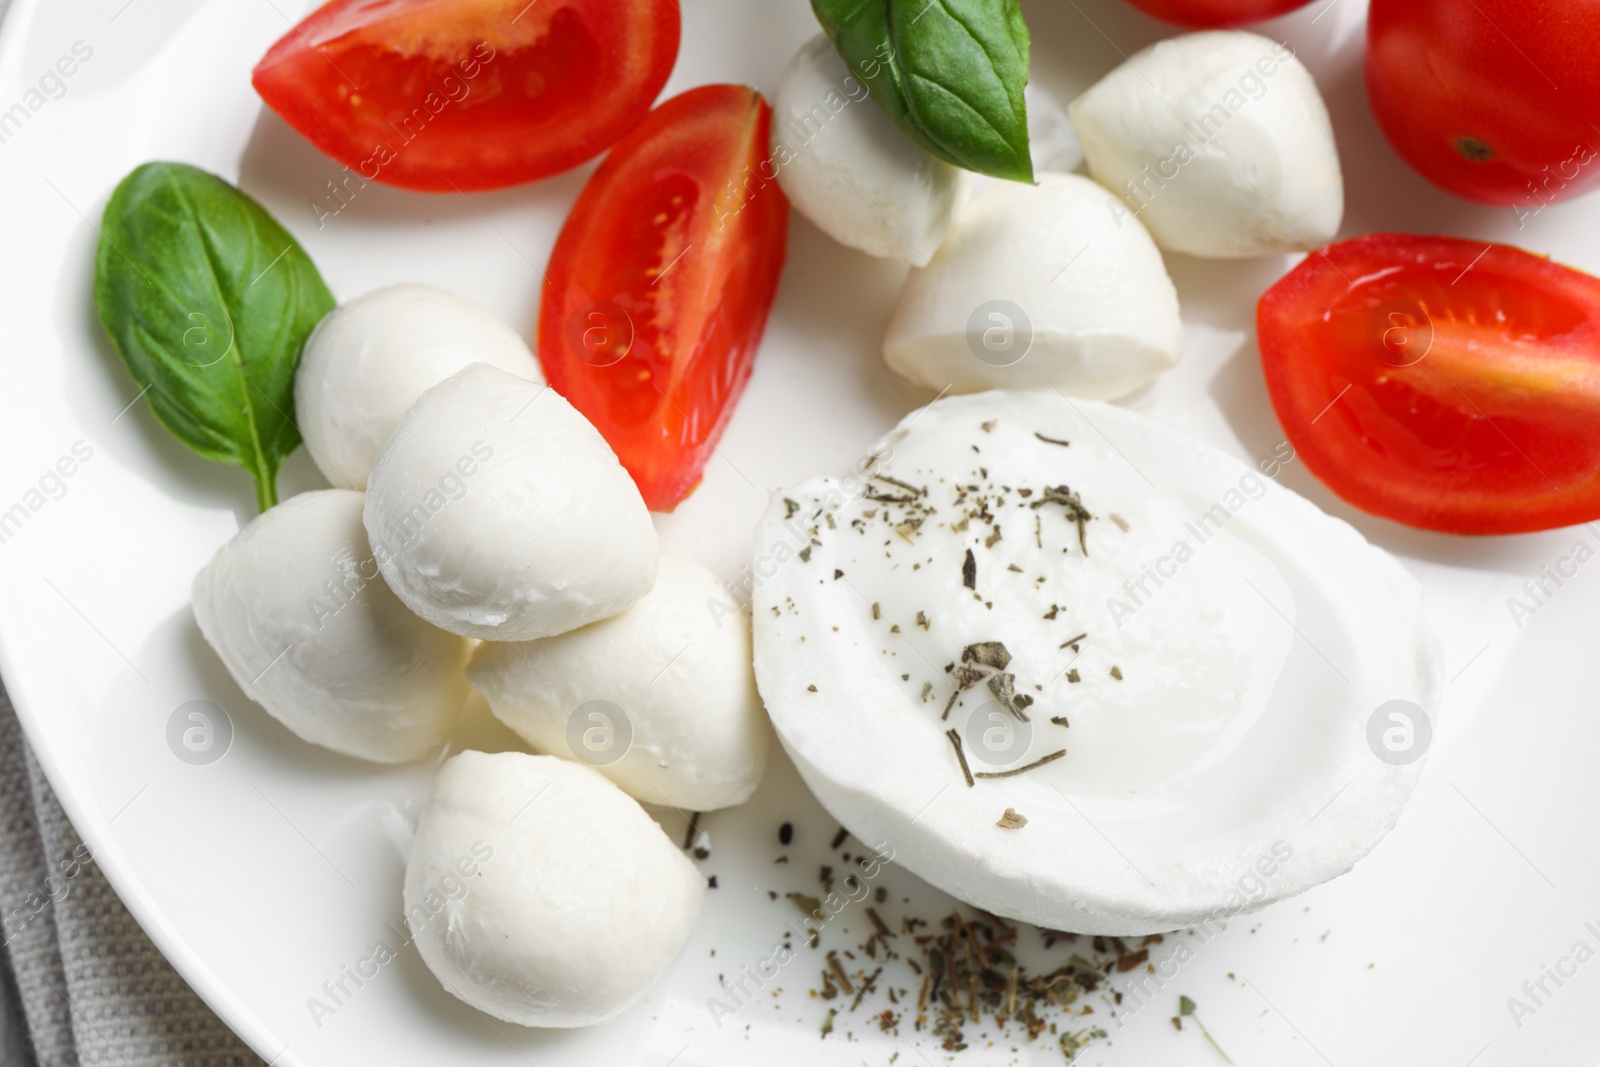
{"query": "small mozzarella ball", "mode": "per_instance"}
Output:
(296, 610)
(542, 894)
(661, 699)
(1038, 287)
(849, 170)
(497, 511)
(368, 361)
(1220, 143)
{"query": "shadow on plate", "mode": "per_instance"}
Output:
(1222, 293)
(124, 38)
(1076, 44)
(282, 168)
(839, 301)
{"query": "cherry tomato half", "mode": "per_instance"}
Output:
(1493, 100)
(1216, 14)
(660, 283)
(1443, 383)
(469, 94)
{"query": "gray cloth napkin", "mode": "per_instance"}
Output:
(83, 986)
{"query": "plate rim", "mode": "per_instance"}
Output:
(89, 824)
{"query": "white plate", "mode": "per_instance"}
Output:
(264, 874)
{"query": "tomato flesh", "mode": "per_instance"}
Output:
(1492, 100)
(660, 284)
(441, 95)
(1216, 14)
(1443, 383)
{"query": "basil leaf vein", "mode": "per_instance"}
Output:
(208, 302)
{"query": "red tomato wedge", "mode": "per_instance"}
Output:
(660, 283)
(1216, 14)
(442, 95)
(1443, 383)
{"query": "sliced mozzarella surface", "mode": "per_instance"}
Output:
(497, 511)
(370, 358)
(660, 698)
(850, 171)
(1038, 287)
(1206, 647)
(1219, 142)
(542, 894)
(295, 608)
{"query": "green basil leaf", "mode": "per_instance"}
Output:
(208, 302)
(950, 73)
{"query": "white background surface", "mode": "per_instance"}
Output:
(263, 874)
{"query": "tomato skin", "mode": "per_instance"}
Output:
(660, 284)
(1440, 382)
(1216, 14)
(1490, 99)
(462, 95)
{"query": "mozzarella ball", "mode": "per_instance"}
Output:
(368, 361)
(497, 511)
(1220, 143)
(1038, 287)
(294, 607)
(541, 894)
(661, 698)
(848, 169)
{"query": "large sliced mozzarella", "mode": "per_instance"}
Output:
(849, 170)
(295, 608)
(1038, 286)
(1213, 646)
(369, 360)
(660, 698)
(1219, 142)
(542, 894)
(497, 511)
